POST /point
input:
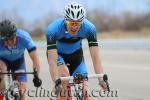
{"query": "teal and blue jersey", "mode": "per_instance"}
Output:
(24, 41)
(59, 38)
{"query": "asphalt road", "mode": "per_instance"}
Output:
(128, 71)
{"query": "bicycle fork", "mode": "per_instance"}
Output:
(13, 90)
(79, 91)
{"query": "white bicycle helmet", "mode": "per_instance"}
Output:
(74, 11)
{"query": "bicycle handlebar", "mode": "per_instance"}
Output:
(36, 80)
(19, 72)
(91, 76)
(86, 77)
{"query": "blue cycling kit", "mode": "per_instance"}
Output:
(14, 57)
(69, 46)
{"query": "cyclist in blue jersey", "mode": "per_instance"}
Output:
(64, 51)
(13, 43)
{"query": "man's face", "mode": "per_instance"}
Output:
(10, 42)
(73, 26)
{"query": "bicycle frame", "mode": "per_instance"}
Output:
(78, 82)
(12, 88)
(79, 91)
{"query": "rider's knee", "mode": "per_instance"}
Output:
(2, 86)
(63, 71)
(3, 66)
(22, 87)
(2, 81)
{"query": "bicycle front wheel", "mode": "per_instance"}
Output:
(16, 97)
(9, 96)
(79, 98)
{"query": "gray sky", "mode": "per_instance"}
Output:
(32, 10)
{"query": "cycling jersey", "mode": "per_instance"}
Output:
(59, 38)
(24, 41)
(69, 46)
(14, 57)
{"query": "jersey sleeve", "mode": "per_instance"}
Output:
(28, 42)
(91, 36)
(51, 38)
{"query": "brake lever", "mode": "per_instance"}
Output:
(105, 78)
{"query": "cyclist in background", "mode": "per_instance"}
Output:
(64, 51)
(13, 43)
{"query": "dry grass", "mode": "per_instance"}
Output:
(116, 34)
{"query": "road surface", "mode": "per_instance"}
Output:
(128, 70)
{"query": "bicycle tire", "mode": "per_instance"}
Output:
(16, 98)
(79, 97)
(7, 97)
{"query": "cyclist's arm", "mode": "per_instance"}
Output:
(94, 51)
(52, 61)
(52, 54)
(31, 47)
(35, 59)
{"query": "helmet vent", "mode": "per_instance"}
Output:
(74, 11)
(78, 14)
(78, 6)
(72, 14)
(72, 6)
(75, 7)
(68, 17)
(69, 10)
(81, 11)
